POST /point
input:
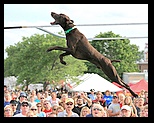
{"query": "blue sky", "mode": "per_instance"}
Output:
(39, 14)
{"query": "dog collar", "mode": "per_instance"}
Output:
(67, 31)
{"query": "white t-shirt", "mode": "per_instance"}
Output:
(19, 115)
(54, 102)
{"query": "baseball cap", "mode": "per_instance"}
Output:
(115, 96)
(25, 102)
(13, 102)
(23, 94)
(69, 100)
(92, 90)
(126, 107)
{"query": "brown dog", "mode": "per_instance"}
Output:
(79, 47)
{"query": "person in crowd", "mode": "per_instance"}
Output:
(84, 100)
(97, 110)
(144, 111)
(125, 111)
(22, 98)
(8, 112)
(146, 98)
(13, 104)
(5, 88)
(124, 92)
(108, 97)
(99, 98)
(80, 104)
(42, 99)
(47, 107)
(33, 93)
(38, 97)
(62, 100)
(140, 105)
(54, 100)
(106, 113)
(7, 98)
(32, 100)
(69, 105)
(75, 96)
(84, 111)
(141, 94)
(92, 94)
(128, 101)
(25, 106)
(54, 108)
(47, 96)
(60, 109)
(121, 97)
(114, 107)
(13, 96)
(40, 113)
(135, 102)
(34, 109)
(30, 113)
(52, 114)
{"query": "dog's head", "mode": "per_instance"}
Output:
(63, 20)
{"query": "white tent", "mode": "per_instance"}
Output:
(94, 81)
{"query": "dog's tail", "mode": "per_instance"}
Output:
(112, 74)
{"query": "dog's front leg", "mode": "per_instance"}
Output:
(58, 48)
(62, 55)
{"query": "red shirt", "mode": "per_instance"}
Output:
(47, 112)
(102, 102)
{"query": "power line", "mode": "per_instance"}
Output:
(111, 24)
(90, 39)
(15, 27)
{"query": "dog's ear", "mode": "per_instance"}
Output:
(70, 22)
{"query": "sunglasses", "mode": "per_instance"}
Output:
(7, 110)
(97, 109)
(33, 109)
(54, 109)
(41, 98)
(69, 103)
(46, 103)
(39, 106)
(13, 105)
(25, 105)
(114, 97)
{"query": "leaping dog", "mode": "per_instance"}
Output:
(79, 47)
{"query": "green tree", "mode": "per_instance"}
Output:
(116, 50)
(28, 60)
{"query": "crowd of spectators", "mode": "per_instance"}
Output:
(56, 103)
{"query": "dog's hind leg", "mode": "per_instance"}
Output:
(115, 61)
(59, 48)
(62, 55)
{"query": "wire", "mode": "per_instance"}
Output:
(14, 27)
(115, 38)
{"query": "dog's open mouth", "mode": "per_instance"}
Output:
(53, 14)
(54, 23)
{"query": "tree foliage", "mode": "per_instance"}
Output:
(116, 50)
(28, 60)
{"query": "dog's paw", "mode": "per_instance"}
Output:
(63, 62)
